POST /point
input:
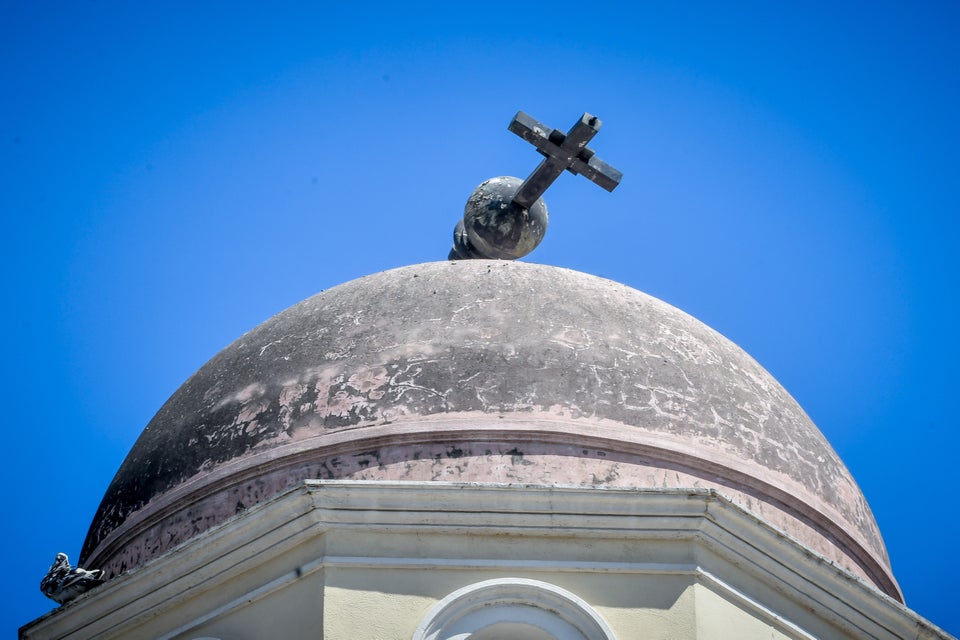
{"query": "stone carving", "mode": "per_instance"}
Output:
(63, 583)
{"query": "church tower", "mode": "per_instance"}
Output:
(484, 449)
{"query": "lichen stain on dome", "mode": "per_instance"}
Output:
(482, 340)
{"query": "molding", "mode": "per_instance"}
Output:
(783, 492)
(483, 564)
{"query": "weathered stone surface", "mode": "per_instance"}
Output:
(481, 371)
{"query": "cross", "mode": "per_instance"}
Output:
(562, 151)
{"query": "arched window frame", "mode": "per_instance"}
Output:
(555, 613)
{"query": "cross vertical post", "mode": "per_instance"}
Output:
(562, 151)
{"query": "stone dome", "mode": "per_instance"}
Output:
(481, 371)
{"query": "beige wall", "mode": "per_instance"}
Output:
(717, 618)
(364, 604)
(657, 606)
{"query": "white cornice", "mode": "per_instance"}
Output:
(724, 546)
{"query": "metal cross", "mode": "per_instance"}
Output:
(563, 151)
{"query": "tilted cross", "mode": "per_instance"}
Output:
(562, 151)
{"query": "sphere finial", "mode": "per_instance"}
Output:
(495, 226)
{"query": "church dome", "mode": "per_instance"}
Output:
(482, 371)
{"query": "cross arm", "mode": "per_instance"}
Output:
(597, 171)
(533, 131)
(562, 151)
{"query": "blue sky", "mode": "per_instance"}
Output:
(174, 175)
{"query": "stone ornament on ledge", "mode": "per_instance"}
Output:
(64, 583)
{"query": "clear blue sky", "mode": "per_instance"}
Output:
(175, 175)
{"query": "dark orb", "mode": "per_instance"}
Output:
(494, 227)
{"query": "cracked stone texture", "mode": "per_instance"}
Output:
(479, 341)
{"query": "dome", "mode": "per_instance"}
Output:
(481, 371)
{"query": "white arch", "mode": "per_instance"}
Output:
(512, 607)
